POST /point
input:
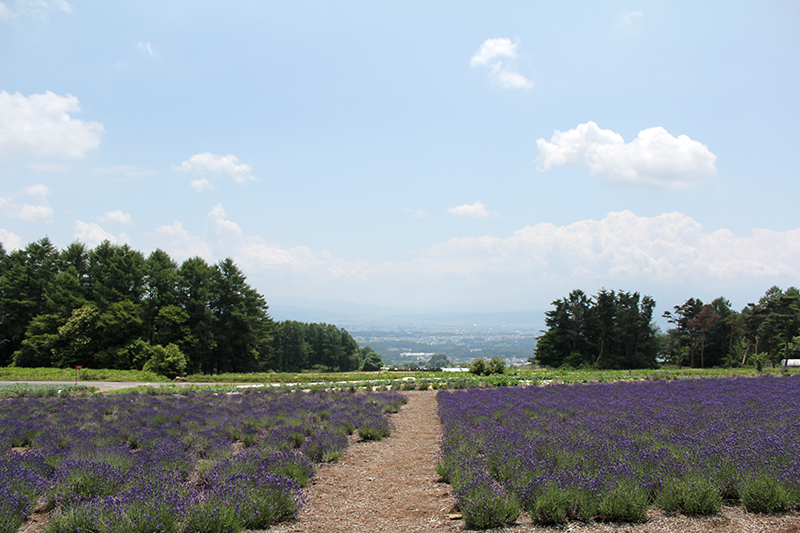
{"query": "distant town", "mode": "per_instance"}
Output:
(399, 345)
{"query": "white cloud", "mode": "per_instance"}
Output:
(117, 217)
(416, 213)
(224, 232)
(491, 49)
(201, 185)
(34, 8)
(146, 48)
(5, 14)
(476, 210)
(208, 162)
(39, 211)
(92, 234)
(10, 241)
(491, 54)
(668, 247)
(508, 79)
(655, 159)
(181, 244)
(40, 125)
(63, 6)
(620, 250)
(630, 18)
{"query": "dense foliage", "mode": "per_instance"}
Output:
(707, 335)
(112, 307)
(609, 451)
(611, 330)
(616, 330)
(299, 346)
(174, 463)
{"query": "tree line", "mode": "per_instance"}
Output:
(615, 330)
(714, 334)
(112, 307)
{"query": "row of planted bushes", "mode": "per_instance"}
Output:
(195, 462)
(609, 451)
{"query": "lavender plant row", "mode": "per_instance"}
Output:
(610, 451)
(198, 462)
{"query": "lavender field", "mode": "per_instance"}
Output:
(198, 462)
(609, 451)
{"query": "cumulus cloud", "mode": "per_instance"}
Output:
(655, 159)
(38, 211)
(201, 185)
(476, 210)
(668, 247)
(117, 217)
(491, 54)
(146, 48)
(181, 244)
(10, 241)
(41, 125)
(620, 249)
(92, 234)
(208, 162)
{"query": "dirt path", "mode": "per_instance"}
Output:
(390, 485)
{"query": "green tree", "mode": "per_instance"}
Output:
(79, 338)
(372, 362)
(167, 361)
(24, 279)
(478, 366)
(116, 273)
(161, 282)
(243, 327)
(194, 296)
(41, 342)
(495, 366)
(439, 360)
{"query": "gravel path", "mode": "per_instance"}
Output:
(389, 485)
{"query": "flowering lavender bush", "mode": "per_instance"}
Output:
(202, 461)
(609, 451)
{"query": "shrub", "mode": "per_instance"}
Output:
(696, 496)
(324, 446)
(485, 504)
(762, 494)
(269, 499)
(626, 503)
(167, 361)
(478, 366)
(553, 506)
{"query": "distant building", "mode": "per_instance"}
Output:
(791, 362)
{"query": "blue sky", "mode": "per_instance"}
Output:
(428, 156)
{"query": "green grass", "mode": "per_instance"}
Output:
(363, 380)
(23, 389)
(10, 373)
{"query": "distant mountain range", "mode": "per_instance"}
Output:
(349, 314)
